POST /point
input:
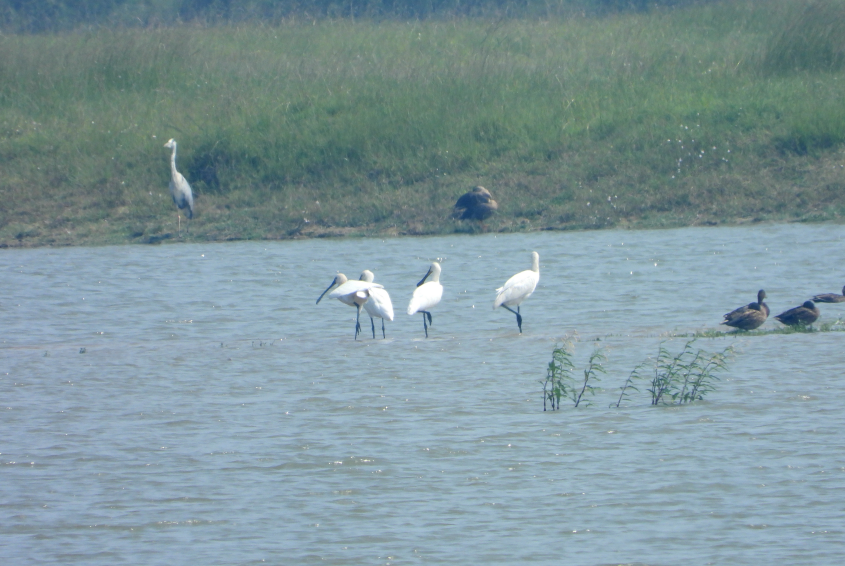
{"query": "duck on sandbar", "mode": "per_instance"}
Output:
(804, 315)
(750, 316)
(830, 297)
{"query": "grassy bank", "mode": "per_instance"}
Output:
(713, 114)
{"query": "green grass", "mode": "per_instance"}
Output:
(707, 114)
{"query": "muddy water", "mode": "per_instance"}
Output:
(190, 404)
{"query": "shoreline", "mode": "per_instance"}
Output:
(468, 229)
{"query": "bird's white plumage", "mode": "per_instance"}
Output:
(379, 304)
(354, 292)
(180, 190)
(338, 280)
(520, 286)
(427, 295)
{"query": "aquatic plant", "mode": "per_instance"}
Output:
(676, 379)
(629, 383)
(560, 379)
(558, 375)
(687, 376)
(594, 367)
(837, 325)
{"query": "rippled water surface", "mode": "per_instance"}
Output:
(190, 404)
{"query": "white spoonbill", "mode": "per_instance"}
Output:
(353, 293)
(518, 288)
(378, 305)
(180, 190)
(427, 295)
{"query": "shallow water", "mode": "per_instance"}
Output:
(218, 416)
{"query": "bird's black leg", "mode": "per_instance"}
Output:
(358, 322)
(429, 318)
(373, 324)
(518, 317)
(425, 326)
(383, 335)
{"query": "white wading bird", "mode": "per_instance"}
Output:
(180, 190)
(427, 295)
(353, 293)
(518, 288)
(378, 305)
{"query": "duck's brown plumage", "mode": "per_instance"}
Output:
(830, 297)
(750, 316)
(806, 314)
(477, 204)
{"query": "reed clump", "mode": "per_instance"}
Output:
(560, 380)
(341, 126)
(670, 379)
(685, 377)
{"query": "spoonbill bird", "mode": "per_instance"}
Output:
(427, 295)
(477, 204)
(518, 288)
(830, 297)
(803, 315)
(378, 305)
(750, 316)
(353, 293)
(180, 190)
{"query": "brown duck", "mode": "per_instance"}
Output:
(830, 297)
(477, 204)
(806, 314)
(750, 316)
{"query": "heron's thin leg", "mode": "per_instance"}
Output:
(383, 335)
(425, 326)
(373, 324)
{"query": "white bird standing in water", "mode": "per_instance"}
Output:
(353, 293)
(180, 190)
(378, 305)
(427, 295)
(518, 288)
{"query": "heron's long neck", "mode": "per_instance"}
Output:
(173, 162)
(535, 264)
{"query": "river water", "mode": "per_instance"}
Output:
(190, 404)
